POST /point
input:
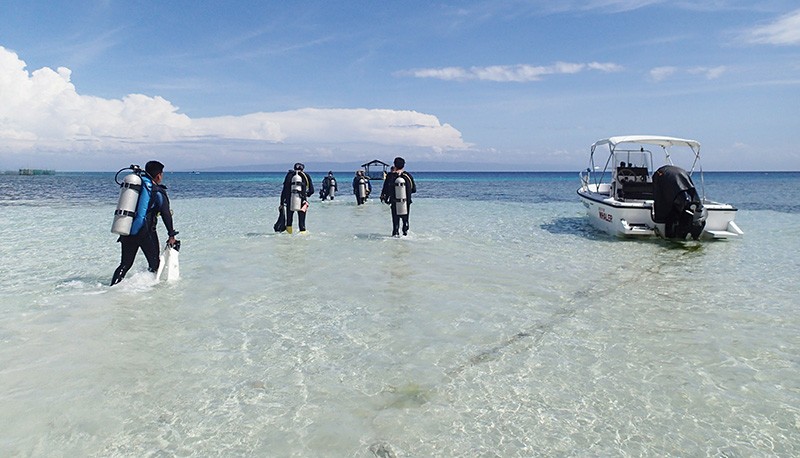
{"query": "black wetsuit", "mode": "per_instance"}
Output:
(388, 196)
(147, 237)
(356, 180)
(326, 187)
(307, 189)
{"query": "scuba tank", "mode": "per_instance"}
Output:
(362, 188)
(129, 216)
(400, 199)
(332, 188)
(296, 199)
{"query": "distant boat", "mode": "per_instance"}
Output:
(195, 172)
(36, 172)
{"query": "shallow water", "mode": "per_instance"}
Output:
(498, 327)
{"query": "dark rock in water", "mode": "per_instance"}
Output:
(166, 418)
(407, 396)
(382, 450)
(257, 385)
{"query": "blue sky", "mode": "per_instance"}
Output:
(97, 85)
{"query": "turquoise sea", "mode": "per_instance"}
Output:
(503, 325)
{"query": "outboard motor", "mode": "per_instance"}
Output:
(400, 199)
(130, 189)
(296, 200)
(676, 203)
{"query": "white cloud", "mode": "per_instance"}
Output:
(783, 31)
(388, 127)
(610, 6)
(658, 74)
(661, 73)
(710, 73)
(43, 110)
(510, 73)
(618, 5)
(605, 67)
(447, 73)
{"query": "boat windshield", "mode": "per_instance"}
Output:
(640, 161)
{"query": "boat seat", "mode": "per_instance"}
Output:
(636, 190)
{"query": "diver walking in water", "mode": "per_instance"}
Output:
(361, 187)
(329, 187)
(140, 231)
(297, 187)
(396, 192)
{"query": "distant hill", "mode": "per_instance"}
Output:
(424, 166)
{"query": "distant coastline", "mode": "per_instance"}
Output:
(37, 172)
(29, 172)
(426, 166)
(344, 168)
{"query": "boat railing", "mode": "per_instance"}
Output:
(588, 186)
(584, 175)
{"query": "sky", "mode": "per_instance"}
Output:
(499, 85)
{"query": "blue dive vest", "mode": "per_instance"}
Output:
(145, 198)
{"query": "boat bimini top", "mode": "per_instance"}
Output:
(663, 142)
(658, 140)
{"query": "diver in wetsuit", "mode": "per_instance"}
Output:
(147, 237)
(328, 184)
(297, 187)
(398, 183)
(359, 180)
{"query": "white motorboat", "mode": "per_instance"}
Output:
(629, 197)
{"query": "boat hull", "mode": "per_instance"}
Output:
(633, 218)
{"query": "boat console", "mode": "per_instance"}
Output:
(633, 183)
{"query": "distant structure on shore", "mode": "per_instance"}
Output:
(36, 172)
(375, 173)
